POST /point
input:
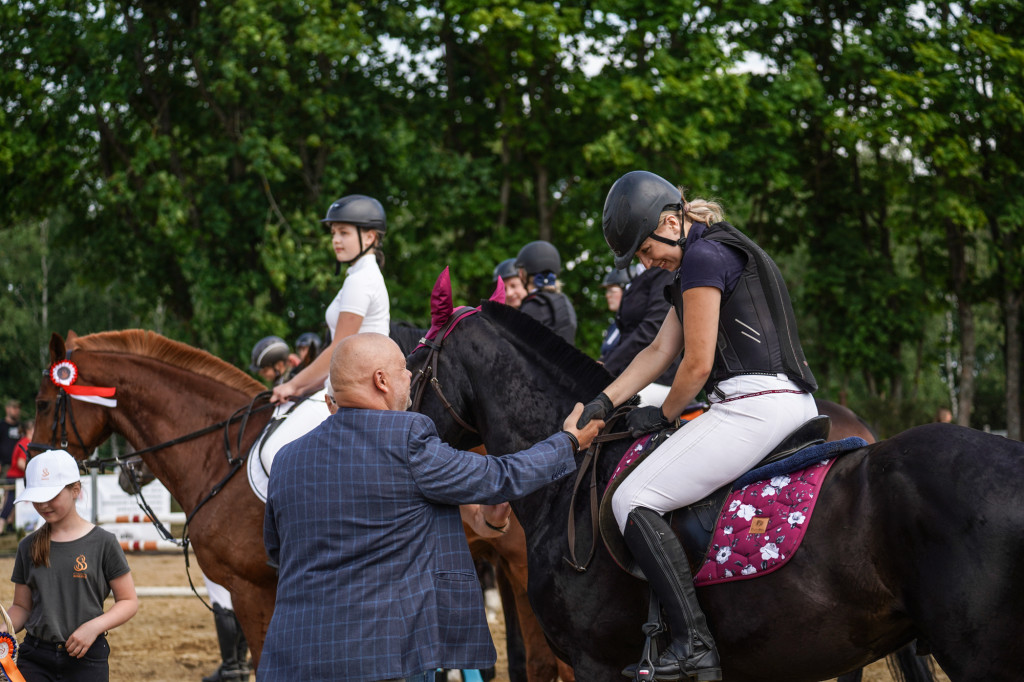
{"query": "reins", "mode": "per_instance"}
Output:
(589, 462)
(241, 414)
(63, 413)
(427, 373)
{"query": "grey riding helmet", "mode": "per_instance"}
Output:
(632, 209)
(619, 278)
(267, 351)
(357, 209)
(310, 340)
(506, 269)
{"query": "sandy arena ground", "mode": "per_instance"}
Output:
(172, 639)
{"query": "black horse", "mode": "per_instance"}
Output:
(918, 536)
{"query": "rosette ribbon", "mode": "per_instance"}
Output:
(65, 373)
(9, 652)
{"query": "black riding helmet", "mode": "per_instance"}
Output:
(620, 277)
(632, 209)
(506, 269)
(357, 209)
(267, 351)
(537, 257)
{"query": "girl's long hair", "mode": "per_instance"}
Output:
(40, 551)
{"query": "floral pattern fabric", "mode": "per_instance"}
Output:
(761, 525)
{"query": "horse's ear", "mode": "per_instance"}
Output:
(441, 300)
(57, 350)
(70, 337)
(499, 291)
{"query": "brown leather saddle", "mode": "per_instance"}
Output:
(695, 523)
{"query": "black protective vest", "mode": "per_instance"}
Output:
(554, 311)
(756, 325)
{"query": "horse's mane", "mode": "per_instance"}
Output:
(152, 345)
(568, 365)
(406, 335)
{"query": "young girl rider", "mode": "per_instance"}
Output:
(62, 574)
(515, 292)
(733, 316)
(357, 225)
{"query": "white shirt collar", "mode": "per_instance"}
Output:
(367, 260)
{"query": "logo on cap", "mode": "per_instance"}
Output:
(45, 475)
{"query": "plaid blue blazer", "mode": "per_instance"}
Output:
(376, 579)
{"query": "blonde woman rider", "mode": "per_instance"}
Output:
(733, 316)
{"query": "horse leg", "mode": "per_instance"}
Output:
(907, 666)
(254, 605)
(515, 647)
(586, 668)
(904, 665)
(541, 663)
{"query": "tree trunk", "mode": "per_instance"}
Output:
(44, 299)
(1011, 315)
(968, 360)
(543, 211)
(965, 317)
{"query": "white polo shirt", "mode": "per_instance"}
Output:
(363, 293)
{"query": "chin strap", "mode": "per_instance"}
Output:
(665, 240)
(337, 267)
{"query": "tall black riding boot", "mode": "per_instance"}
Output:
(659, 555)
(242, 646)
(229, 632)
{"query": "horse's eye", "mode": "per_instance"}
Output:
(42, 406)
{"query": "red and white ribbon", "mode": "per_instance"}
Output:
(65, 373)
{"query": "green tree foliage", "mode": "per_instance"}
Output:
(165, 165)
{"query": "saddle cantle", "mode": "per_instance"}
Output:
(695, 523)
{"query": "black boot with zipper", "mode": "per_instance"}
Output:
(658, 553)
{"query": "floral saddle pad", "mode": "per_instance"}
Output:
(761, 518)
(761, 525)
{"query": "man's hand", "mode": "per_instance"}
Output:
(584, 434)
(598, 408)
(646, 420)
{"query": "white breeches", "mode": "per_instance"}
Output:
(717, 447)
(218, 594)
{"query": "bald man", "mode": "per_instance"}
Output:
(376, 580)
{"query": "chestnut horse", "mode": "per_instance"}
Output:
(917, 536)
(166, 390)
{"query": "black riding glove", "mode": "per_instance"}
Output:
(598, 408)
(646, 420)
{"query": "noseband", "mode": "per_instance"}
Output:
(428, 372)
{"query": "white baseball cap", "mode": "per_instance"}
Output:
(47, 474)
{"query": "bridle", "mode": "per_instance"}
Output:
(427, 374)
(63, 414)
